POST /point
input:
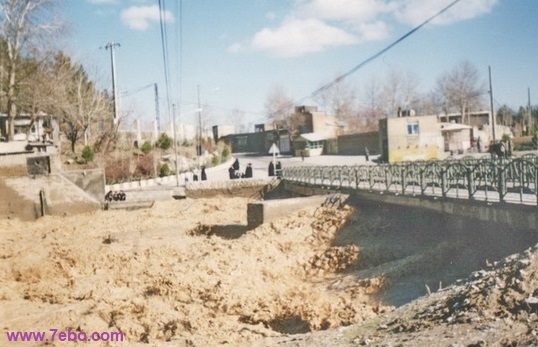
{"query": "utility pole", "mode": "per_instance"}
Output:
(199, 149)
(157, 115)
(492, 117)
(111, 46)
(531, 126)
(174, 111)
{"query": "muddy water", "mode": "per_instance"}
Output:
(419, 251)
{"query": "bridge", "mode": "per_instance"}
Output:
(487, 179)
(489, 189)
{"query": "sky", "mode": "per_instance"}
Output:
(230, 54)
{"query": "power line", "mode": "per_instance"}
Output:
(363, 63)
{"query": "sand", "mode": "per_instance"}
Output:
(183, 273)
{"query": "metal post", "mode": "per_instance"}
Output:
(491, 105)
(111, 46)
(157, 115)
(175, 143)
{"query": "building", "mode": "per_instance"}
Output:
(317, 127)
(222, 130)
(410, 138)
(457, 137)
(315, 131)
(309, 145)
(42, 127)
(474, 119)
(258, 142)
(356, 144)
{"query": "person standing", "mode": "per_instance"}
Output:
(231, 172)
(203, 174)
(248, 171)
(367, 153)
(278, 168)
(271, 169)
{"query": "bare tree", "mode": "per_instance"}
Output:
(460, 90)
(238, 117)
(78, 102)
(278, 107)
(340, 101)
(370, 110)
(399, 91)
(23, 23)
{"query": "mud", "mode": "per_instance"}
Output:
(184, 273)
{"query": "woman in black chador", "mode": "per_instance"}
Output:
(236, 165)
(203, 174)
(271, 169)
(231, 172)
(248, 171)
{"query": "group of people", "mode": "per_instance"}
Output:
(235, 173)
(203, 175)
(275, 169)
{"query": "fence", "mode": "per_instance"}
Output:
(488, 179)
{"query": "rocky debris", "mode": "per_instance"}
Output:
(507, 290)
(332, 260)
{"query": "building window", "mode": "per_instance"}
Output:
(412, 128)
(314, 144)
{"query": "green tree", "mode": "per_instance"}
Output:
(146, 147)
(88, 154)
(164, 142)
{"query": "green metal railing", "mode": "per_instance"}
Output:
(487, 179)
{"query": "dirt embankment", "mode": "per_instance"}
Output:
(185, 272)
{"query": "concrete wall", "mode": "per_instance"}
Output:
(255, 188)
(354, 144)
(91, 181)
(249, 142)
(13, 160)
(61, 196)
(514, 215)
(265, 211)
(401, 146)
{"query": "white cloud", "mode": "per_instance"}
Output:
(102, 1)
(296, 37)
(140, 17)
(373, 31)
(414, 12)
(364, 10)
(314, 25)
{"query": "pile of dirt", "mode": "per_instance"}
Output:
(184, 273)
(497, 306)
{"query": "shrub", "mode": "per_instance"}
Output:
(117, 169)
(164, 142)
(164, 171)
(215, 160)
(146, 147)
(144, 166)
(225, 153)
(88, 154)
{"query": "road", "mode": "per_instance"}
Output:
(260, 164)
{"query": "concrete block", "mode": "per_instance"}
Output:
(264, 211)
